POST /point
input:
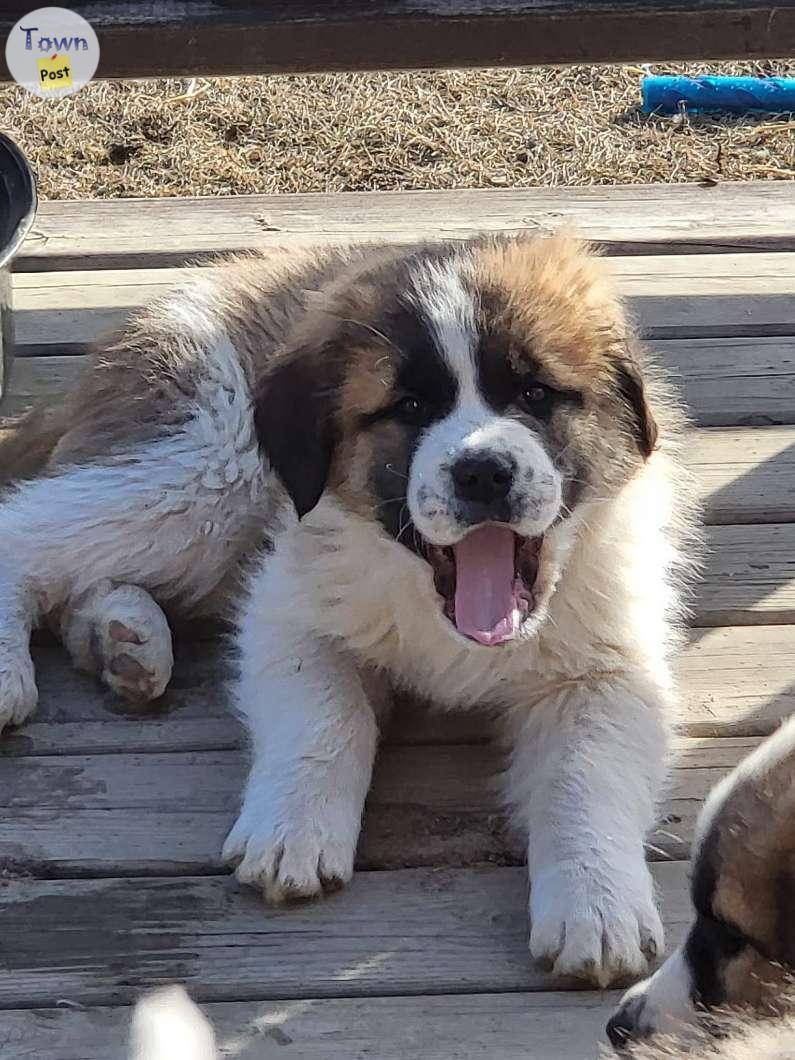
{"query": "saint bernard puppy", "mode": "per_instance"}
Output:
(448, 469)
(740, 950)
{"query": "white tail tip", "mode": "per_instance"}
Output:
(166, 1025)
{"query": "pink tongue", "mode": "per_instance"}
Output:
(484, 590)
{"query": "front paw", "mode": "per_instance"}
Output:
(293, 854)
(18, 692)
(600, 924)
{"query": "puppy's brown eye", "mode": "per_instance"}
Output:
(537, 399)
(411, 409)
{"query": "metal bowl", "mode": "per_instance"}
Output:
(17, 210)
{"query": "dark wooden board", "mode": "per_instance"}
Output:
(146, 38)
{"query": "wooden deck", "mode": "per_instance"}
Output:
(112, 822)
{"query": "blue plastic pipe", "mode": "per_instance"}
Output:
(662, 95)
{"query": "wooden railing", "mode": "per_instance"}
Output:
(145, 38)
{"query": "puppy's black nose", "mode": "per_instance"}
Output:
(621, 1029)
(483, 478)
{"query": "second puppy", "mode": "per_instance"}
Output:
(740, 951)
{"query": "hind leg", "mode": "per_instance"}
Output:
(120, 634)
(166, 521)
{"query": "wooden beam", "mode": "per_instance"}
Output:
(627, 220)
(156, 38)
(746, 382)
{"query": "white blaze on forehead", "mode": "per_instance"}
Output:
(497, 433)
(447, 303)
(444, 295)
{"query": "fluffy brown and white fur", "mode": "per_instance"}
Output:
(740, 1037)
(729, 1035)
(469, 473)
(740, 950)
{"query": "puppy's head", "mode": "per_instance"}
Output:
(467, 400)
(740, 950)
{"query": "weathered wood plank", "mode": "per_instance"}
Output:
(174, 38)
(635, 219)
(708, 295)
(78, 715)
(749, 577)
(40, 381)
(726, 382)
(168, 814)
(736, 681)
(409, 932)
(547, 1026)
(734, 382)
(744, 476)
(671, 296)
(134, 734)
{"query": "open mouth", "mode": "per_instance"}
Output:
(487, 582)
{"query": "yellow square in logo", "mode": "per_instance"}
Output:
(55, 72)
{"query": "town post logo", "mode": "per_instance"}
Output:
(52, 52)
(55, 73)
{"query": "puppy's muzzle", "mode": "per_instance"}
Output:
(483, 484)
(623, 1027)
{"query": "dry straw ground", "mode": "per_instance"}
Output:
(444, 129)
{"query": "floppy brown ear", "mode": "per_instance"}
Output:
(294, 421)
(633, 394)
